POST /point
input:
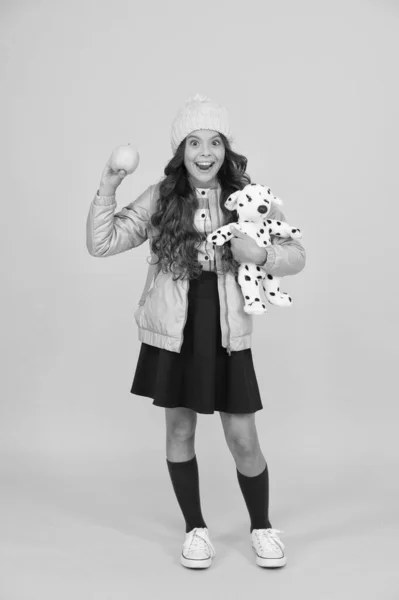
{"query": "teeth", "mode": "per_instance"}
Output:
(204, 166)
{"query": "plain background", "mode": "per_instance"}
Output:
(311, 88)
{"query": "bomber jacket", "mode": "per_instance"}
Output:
(162, 311)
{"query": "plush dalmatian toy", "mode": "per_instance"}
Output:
(253, 203)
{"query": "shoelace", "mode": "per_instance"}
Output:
(198, 540)
(269, 536)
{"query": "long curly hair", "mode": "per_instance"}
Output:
(176, 246)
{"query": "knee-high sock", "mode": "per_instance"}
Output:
(185, 481)
(256, 495)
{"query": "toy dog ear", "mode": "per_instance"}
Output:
(232, 200)
(277, 201)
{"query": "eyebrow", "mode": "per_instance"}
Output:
(197, 138)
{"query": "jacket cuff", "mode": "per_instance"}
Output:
(104, 200)
(270, 258)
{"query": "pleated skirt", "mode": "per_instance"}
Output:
(203, 376)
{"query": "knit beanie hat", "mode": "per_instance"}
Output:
(199, 112)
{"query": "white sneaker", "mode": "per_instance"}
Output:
(268, 547)
(198, 550)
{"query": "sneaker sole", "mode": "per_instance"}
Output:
(270, 563)
(191, 563)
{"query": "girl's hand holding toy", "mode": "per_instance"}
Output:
(245, 249)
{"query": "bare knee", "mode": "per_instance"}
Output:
(242, 447)
(180, 423)
(241, 435)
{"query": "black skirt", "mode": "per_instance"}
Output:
(202, 376)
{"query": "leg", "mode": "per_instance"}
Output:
(252, 472)
(250, 280)
(271, 287)
(181, 424)
(242, 439)
(182, 463)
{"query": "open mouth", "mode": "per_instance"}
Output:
(204, 166)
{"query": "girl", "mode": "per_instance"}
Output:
(195, 354)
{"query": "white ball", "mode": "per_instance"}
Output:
(124, 157)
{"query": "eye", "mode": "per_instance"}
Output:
(218, 142)
(193, 142)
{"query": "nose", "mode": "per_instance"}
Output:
(206, 148)
(262, 209)
(205, 152)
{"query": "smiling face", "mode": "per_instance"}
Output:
(203, 156)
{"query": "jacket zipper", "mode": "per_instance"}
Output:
(219, 221)
(227, 320)
(228, 348)
(185, 318)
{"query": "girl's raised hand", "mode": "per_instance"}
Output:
(123, 161)
(110, 180)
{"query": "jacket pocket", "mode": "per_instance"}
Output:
(136, 314)
(153, 285)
